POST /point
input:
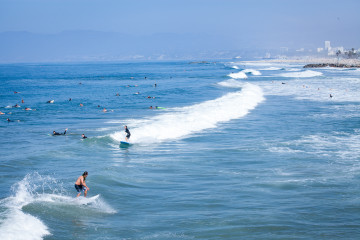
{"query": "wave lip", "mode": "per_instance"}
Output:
(188, 120)
(302, 74)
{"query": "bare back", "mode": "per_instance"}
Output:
(80, 181)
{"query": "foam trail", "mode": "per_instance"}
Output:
(196, 118)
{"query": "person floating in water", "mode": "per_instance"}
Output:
(128, 134)
(80, 184)
(56, 133)
(83, 136)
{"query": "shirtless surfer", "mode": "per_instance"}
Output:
(80, 184)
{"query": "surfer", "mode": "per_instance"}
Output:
(56, 133)
(127, 134)
(83, 136)
(80, 184)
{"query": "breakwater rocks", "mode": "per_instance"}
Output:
(340, 65)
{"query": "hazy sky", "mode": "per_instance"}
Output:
(232, 22)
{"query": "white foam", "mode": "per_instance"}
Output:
(271, 69)
(302, 74)
(22, 226)
(325, 145)
(17, 224)
(239, 75)
(232, 83)
(186, 121)
(317, 89)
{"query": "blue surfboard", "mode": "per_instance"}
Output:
(124, 144)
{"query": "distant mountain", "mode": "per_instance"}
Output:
(94, 45)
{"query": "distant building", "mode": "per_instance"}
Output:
(319, 50)
(341, 49)
(327, 45)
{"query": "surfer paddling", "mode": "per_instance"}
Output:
(128, 134)
(80, 184)
(56, 133)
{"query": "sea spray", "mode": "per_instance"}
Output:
(19, 225)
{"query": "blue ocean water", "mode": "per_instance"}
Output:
(235, 150)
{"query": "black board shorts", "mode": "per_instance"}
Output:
(79, 188)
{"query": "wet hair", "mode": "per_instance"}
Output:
(85, 174)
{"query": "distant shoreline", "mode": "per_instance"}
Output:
(311, 62)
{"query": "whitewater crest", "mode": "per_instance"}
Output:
(239, 75)
(182, 122)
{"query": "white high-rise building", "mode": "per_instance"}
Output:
(327, 45)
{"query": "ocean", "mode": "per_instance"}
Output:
(229, 150)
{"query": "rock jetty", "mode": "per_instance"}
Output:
(340, 65)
